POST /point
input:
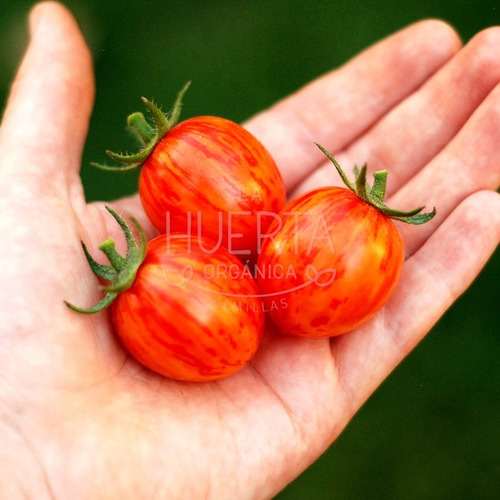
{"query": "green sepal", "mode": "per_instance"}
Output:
(393, 213)
(417, 218)
(135, 255)
(161, 122)
(102, 304)
(116, 168)
(360, 186)
(175, 113)
(107, 273)
(133, 159)
(122, 271)
(149, 135)
(374, 195)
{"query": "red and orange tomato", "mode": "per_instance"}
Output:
(180, 311)
(333, 257)
(207, 177)
(189, 315)
(339, 260)
(211, 178)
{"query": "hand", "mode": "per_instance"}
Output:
(80, 419)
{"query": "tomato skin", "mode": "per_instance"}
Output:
(210, 167)
(183, 319)
(358, 252)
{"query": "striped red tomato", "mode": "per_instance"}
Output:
(180, 311)
(190, 315)
(331, 262)
(213, 175)
(206, 176)
(333, 257)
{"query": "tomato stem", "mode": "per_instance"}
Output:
(144, 131)
(122, 271)
(374, 195)
(379, 184)
(149, 135)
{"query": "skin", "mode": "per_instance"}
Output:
(80, 419)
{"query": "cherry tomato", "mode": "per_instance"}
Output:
(206, 176)
(212, 174)
(332, 258)
(181, 311)
(331, 263)
(190, 315)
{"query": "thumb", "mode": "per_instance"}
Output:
(46, 118)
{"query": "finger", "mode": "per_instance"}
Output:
(421, 126)
(337, 108)
(470, 163)
(432, 280)
(46, 119)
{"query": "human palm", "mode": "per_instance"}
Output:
(81, 418)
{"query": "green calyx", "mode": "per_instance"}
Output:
(122, 271)
(374, 195)
(149, 135)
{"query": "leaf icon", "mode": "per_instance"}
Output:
(323, 277)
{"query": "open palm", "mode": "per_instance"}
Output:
(81, 419)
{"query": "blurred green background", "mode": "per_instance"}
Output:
(432, 431)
